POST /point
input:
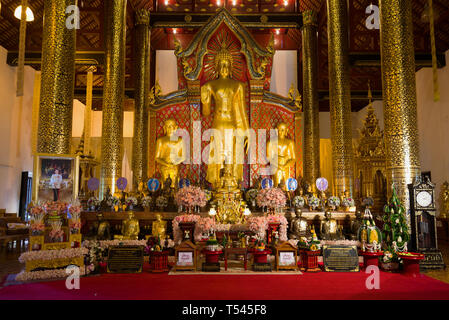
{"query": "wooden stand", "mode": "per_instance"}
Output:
(309, 260)
(158, 261)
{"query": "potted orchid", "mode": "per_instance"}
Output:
(131, 202)
(273, 198)
(333, 202)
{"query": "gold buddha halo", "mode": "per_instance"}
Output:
(340, 96)
(57, 79)
(310, 98)
(399, 96)
(141, 98)
(113, 94)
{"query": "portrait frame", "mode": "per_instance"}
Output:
(70, 176)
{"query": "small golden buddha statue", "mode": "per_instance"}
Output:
(285, 155)
(103, 228)
(169, 152)
(228, 180)
(130, 228)
(230, 121)
(159, 228)
(329, 227)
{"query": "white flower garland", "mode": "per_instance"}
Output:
(47, 274)
(52, 254)
(110, 243)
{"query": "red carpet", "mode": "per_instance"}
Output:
(340, 286)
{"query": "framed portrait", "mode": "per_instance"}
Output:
(56, 177)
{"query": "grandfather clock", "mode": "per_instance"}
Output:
(423, 223)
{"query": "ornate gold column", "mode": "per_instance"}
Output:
(113, 93)
(310, 98)
(399, 95)
(340, 96)
(142, 83)
(57, 79)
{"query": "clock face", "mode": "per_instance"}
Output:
(424, 199)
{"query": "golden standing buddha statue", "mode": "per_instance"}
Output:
(169, 152)
(285, 154)
(159, 228)
(229, 119)
(130, 228)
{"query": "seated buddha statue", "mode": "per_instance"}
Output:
(130, 228)
(104, 229)
(169, 152)
(299, 226)
(282, 158)
(329, 228)
(159, 228)
(228, 182)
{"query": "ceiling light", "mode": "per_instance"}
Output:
(29, 14)
(285, 3)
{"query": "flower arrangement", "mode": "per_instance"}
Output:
(37, 228)
(75, 212)
(147, 201)
(190, 196)
(161, 202)
(131, 202)
(348, 202)
(205, 225)
(271, 198)
(56, 233)
(54, 209)
(93, 202)
(113, 201)
(208, 194)
(298, 201)
(313, 202)
(37, 214)
(333, 202)
(258, 225)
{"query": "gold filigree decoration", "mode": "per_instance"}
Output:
(295, 97)
(223, 44)
(178, 47)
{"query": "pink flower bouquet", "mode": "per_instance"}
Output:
(191, 196)
(271, 198)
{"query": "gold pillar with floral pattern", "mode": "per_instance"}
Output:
(142, 83)
(340, 96)
(399, 96)
(310, 98)
(113, 93)
(57, 79)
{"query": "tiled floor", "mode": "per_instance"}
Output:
(9, 263)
